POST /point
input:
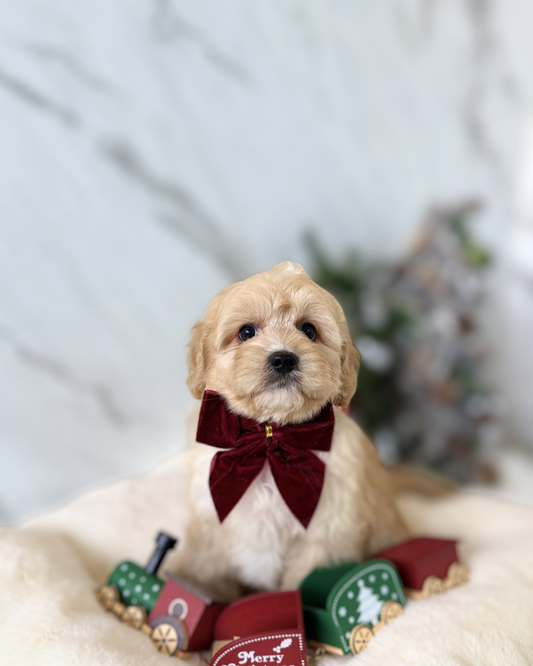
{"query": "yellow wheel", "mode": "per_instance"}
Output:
(165, 638)
(107, 595)
(360, 637)
(134, 617)
(169, 634)
(390, 610)
(457, 574)
(433, 585)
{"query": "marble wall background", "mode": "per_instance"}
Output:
(153, 151)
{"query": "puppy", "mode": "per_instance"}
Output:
(276, 348)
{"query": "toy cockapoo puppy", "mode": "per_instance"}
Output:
(280, 481)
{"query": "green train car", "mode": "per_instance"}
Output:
(345, 605)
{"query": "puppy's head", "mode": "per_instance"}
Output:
(275, 346)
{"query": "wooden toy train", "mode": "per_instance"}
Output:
(339, 608)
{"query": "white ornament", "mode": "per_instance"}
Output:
(342, 611)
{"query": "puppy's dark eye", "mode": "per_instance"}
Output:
(310, 331)
(247, 332)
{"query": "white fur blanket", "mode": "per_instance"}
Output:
(49, 568)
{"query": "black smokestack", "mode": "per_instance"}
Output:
(164, 543)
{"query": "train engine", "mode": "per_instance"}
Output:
(177, 616)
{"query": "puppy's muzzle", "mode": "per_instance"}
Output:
(283, 362)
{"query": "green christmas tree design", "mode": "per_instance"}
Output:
(369, 605)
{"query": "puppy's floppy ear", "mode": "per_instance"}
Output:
(197, 359)
(350, 361)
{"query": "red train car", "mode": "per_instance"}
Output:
(265, 628)
(426, 566)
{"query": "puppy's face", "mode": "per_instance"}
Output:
(275, 346)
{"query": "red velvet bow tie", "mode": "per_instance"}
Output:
(298, 473)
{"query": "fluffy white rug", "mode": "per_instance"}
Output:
(49, 568)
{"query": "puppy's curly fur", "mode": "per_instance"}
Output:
(261, 545)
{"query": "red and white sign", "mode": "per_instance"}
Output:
(279, 648)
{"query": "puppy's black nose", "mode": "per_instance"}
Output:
(283, 362)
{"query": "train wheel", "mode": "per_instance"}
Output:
(433, 585)
(360, 637)
(134, 617)
(169, 634)
(390, 610)
(457, 574)
(107, 595)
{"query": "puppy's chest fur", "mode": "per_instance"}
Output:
(261, 530)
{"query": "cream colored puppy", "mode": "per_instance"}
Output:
(236, 350)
